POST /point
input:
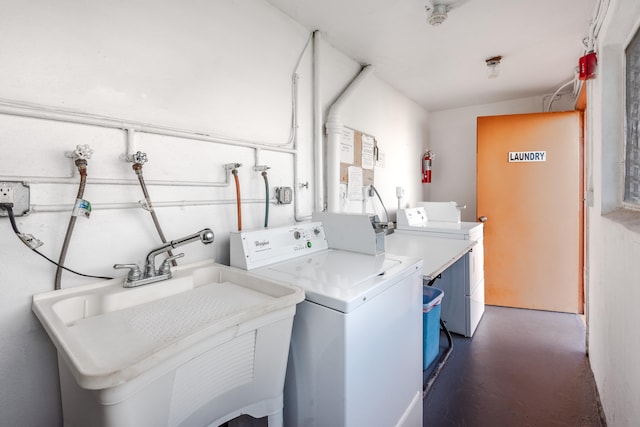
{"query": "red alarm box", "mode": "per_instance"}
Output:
(587, 66)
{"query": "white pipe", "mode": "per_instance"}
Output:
(318, 145)
(131, 205)
(334, 130)
(297, 185)
(548, 109)
(131, 145)
(115, 181)
(47, 113)
(21, 109)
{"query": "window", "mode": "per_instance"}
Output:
(632, 158)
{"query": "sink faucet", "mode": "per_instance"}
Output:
(150, 275)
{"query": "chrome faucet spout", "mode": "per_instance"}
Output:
(206, 236)
(150, 274)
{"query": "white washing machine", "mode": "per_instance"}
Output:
(356, 347)
(463, 282)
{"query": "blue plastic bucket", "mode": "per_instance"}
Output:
(431, 299)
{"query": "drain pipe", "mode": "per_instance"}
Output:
(334, 130)
(81, 154)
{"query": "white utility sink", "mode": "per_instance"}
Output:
(198, 349)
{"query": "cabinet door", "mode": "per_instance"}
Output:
(476, 265)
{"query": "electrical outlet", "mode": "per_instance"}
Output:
(6, 195)
(284, 195)
(15, 192)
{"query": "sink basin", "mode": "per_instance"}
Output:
(201, 333)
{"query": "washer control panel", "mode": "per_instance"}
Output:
(257, 248)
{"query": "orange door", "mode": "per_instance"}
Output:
(529, 186)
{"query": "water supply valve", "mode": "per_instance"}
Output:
(231, 166)
(82, 152)
(139, 158)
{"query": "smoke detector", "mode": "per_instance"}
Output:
(437, 14)
(437, 10)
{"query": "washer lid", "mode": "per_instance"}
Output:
(341, 280)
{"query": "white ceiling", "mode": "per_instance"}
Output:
(443, 67)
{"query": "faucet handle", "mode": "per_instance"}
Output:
(165, 268)
(134, 271)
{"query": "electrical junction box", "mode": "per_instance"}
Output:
(19, 192)
(284, 195)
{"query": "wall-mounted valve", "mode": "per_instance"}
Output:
(230, 166)
(83, 152)
(139, 158)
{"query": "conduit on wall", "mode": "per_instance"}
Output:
(21, 109)
(165, 204)
(334, 129)
(131, 128)
(296, 184)
(318, 146)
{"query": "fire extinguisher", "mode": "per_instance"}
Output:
(427, 157)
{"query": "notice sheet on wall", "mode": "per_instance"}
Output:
(368, 145)
(354, 185)
(347, 146)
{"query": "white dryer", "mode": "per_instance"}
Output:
(355, 355)
(463, 283)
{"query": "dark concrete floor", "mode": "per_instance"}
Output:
(521, 368)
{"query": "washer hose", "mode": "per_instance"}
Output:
(82, 168)
(137, 167)
(386, 214)
(235, 176)
(266, 200)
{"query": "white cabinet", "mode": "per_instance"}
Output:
(463, 282)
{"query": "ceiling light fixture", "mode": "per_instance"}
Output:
(493, 66)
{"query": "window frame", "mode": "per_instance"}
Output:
(634, 41)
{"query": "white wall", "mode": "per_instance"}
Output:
(613, 234)
(452, 137)
(220, 67)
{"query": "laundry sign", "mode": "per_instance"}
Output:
(527, 156)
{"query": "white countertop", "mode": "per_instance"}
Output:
(437, 254)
